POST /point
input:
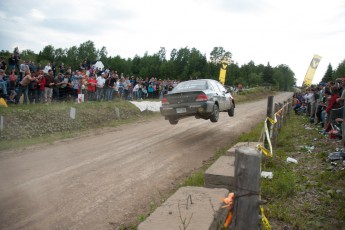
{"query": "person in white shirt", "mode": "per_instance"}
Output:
(100, 86)
(309, 99)
(47, 68)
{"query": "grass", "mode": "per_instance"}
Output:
(35, 124)
(307, 195)
(304, 195)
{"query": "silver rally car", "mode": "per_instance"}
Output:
(202, 98)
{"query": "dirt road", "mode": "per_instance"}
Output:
(104, 180)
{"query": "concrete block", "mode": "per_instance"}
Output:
(231, 151)
(198, 206)
(221, 174)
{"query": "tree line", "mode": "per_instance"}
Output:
(181, 64)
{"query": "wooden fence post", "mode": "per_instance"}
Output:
(247, 183)
(270, 115)
(279, 117)
(275, 128)
(285, 112)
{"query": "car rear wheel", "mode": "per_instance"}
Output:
(173, 121)
(215, 115)
(231, 111)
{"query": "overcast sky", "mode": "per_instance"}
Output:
(286, 32)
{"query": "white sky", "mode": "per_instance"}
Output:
(286, 32)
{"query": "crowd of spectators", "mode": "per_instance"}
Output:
(25, 81)
(324, 105)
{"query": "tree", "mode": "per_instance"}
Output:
(86, 51)
(218, 54)
(72, 57)
(29, 55)
(181, 63)
(196, 64)
(340, 71)
(328, 75)
(162, 54)
(102, 55)
(47, 54)
(60, 55)
(284, 77)
(268, 75)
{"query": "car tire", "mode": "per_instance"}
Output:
(173, 121)
(231, 111)
(215, 114)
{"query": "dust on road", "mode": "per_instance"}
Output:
(102, 181)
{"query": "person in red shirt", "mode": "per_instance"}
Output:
(91, 87)
(332, 105)
(41, 86)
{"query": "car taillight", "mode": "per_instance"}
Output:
(201, 97)
(165, 101)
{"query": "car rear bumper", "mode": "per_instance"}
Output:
(183, 110)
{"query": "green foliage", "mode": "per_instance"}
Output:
(329, 74)
(303, 195)
(196, 179)
(268, 74)
(281, 186)
(340, 71)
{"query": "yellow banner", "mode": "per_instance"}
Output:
(311, 70)
(222, 72)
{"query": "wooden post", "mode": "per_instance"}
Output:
(285, 113)
(275, 128)
(270, 115)
(279, 118)
(247, 183)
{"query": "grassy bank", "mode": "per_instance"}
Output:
(307, 195)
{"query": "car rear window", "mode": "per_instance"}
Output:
(192, 85)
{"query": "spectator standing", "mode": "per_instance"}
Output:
(332, 104)
(54, 68)
(47, 68)
(76, 84)
(62, 68)
(58, 87)
(12, 83)
(39, 67)
(109, 87)
(48, 90)
(24, 87)
(150, 90)
(3, 83)
(22, 70)
(3, 64)
(33, 89)
(100, 86)
(309, 100)
(17, 57)
(91, 87)
(12, 62)
(41, 86)
(121, 87)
